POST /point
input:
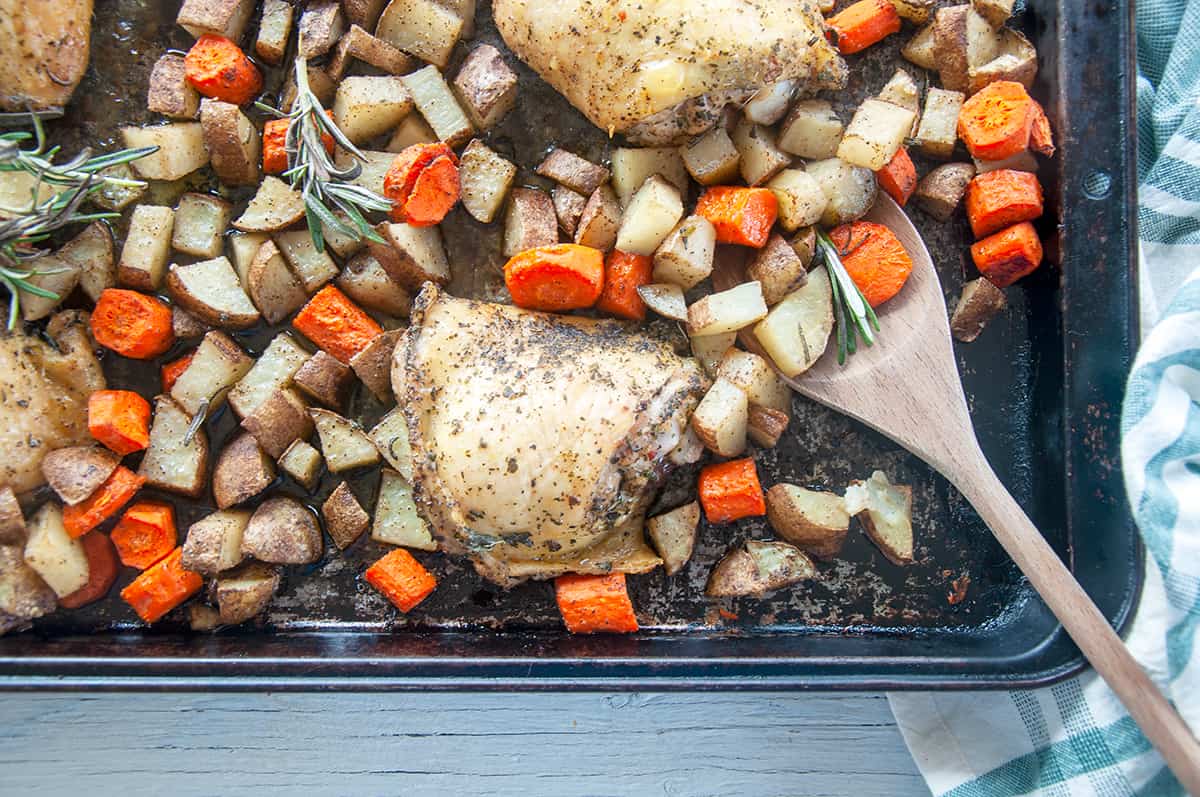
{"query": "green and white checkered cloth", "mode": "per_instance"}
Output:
(1075, 739)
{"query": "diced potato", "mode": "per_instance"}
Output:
(996, 12)
(757, 568)
(16, 191)
(390, 436)
(915, 11)
(665, 299)
(920, 49)
(200, 223)
(412, 255)
(52, 552)
(486, 86)
(941, 191)
(804, 243)
(875, 134)
(246, 592)
(233, 142)
(755, 377)
(600, 220)
(979, 303)
(364, 13)
(1016, 60)
(413, 130)
(800, 198)
(373, 364)
(938, 131)
(576, 173)
(202, 617)
(632, 167)
(530, 221)
(321, 85)
(226, 18)
(211, 291)
(344, 444)
(24, 595)
(423, 28)
(766, 426)
(321, 25)
(466, 11)
(811, 130)
(761, 159)
(721, 418)
(727, 311)
(711, 159)
(709, 349)
(770, 103)
(902, 90)
(674, 535)
(217, 365)
(245, 246)
(273, 370)
(360, 45)
(214, 543)
(778, 268)
(797, 330)
(963, 41)
(397, 521)
(850, 189)
(325, 379)
(303, 463)
(343, 244)
(109, 196)
(685, 257)
(185, 325)
(274, 207)
(283, 531)
(485, 179)
(73, 473)
(885, 510)
(173, 462)
(366, 282)
(568, 207)
(243, 470)
(373, 168)
(437, 104)
(274, 30)
(51, 274)
(170, 93)
(651, 215)
(345, 519)
(279, 420)
(147, 247)
(367, 107)
(815, 521)
(314, 268)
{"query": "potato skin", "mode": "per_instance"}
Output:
(757, 568)
(74, 473)
(23, 593)
(787, 515)
(282, 531)
(243, 470)
(246, 591)
(940, 192)
(345, 519)
(280, 420)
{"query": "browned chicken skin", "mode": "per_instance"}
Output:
(44, 49)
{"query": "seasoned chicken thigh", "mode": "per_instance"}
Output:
(44, 49)
(662, 70)
(538, 440)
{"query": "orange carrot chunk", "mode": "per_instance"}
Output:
(145, 534)
(623, 273)
(730, 491)
(995, 123)
(874, 258)
(899, 177)
(132, 324)
(218, 68)
(867, 22)
(1001, 198)
(274, 144)
(1041, 137)
(172, 370)
(98, 507)
(336, 324)
(423, 184)
(402, 579)
(102, 571)
(162, 587)
(120, 419)
(595, 604)
(741, 215)
(555, 278)
(1008, 255)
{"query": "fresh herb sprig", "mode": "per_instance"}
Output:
(25, 226)
(854, 316)
(311, 170)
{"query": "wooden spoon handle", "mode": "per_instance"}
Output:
(1162, 725)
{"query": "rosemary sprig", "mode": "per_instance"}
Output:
(23, 227)
(325, 187)
(853, 314)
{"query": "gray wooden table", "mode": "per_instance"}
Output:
(524, 745)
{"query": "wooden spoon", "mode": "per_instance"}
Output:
(907, 387)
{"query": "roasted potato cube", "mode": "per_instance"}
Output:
(665, 299)
(921, 49)
(778, 268)
(600, 220)
(364, 13)
(211, 291)
(685, 257)
(770, 103)
(979, 303)
(202, 617)
(796, 331)
(54, 275)
(411, 255)
(325, 379)
(632, 167)
(303, 463)
(322, 86)
(373, 364)
(185, 325)
(24, 595)
(282, 531)
(757, 568)
(173, 462)
(278, 421)
(366, 282)
(226, 18)
(390, 436)
(342, 244)
(367, 107)
(755, 377)
(344, 444)
(941, 191)
(170, 93)
(812, 130)
(804, 243)
(996, 12)
(568, 207)
(875, 134)
(466, 11)
(760, 156)
(244, 246)
(1016, 60)
(116, 197)
(850, 189)
(217, 365)
(765, 425)
(530, 221)
(963, 41)
(721, 417)
(812, 520)
(360, 45)
(397, 521)
(712, 159)
(673, 535)
(902, 90)
(915, 11)
(345, 519)
(232, 141)
(885, 510)
(147, 247)
(214, 543)
(727, 311)
(413, 130)
(12, 522)
(938, 131)
(246, 592)
(486, 86)
(52, 552)
(73, 474)
(275, 207)
(423, 28)
(273, 370)
(274, 30)
(200, 224)
(180, 152)
(91, 251)
(437, 104)
(709, 349)
(485, 178)
(374, 167)
(567, 168)
(321, 25)
(313, 267)
(243, 470)
(801, 200)
(650, 217)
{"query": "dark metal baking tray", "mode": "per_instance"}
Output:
(1045, 384)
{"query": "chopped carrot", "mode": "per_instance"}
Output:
(1008, 255)
(98, 507)
(402, 579)
(120, 419)
(730, 491)
(274, 144)
(145, 534)
(623, 274)
(874, 258)
(898, 177)
(172, 370)
(161, 588)
(555, 278)
(336, 324)
(1041, 137)
(423, 184)
(102, 571)
(132, 324)
(595, 604)
(1001, 198)
(996, 121)
(867, 22)
(218, 68)
(741, 215)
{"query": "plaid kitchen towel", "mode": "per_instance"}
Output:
(1075, 738)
